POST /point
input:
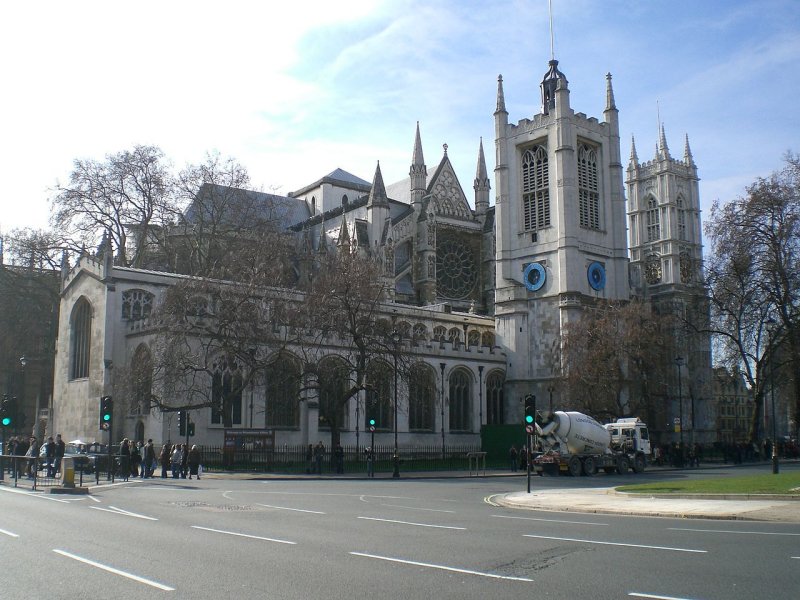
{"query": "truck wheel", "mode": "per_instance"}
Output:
(589, 466)
(622, 465)
(639, 464)
(574, 466)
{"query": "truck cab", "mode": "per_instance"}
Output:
(629, 435)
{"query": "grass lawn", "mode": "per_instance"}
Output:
(782, 483)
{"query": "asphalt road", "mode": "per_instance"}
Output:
(377, 538)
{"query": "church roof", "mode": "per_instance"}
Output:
(235, 207)
(338, 177)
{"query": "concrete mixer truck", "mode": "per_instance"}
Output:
(575, 443)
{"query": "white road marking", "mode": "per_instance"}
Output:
(794, 557)
(729, 531)
(31, 494)
(544, 537)
(418, 508)
(245, 535)
(548, 520)
(93, 498)
(410, 523)
(314, 512)
(115, 484)
(149, 582)
(654, 597)
(117, 511)
(8, 533)
(489, 500)
(442, 567)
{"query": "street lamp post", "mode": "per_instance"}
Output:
(480, 396)
(679, 364)
(395, 344)
(441, 367)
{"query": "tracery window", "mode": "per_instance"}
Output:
(420, 332)
(136, 304)
(681, 219)
(494, 398)
(421, 398)
(487, 339)
(454, 335)
(460, 405)
(81, 337)
(439, 333)
(456, 267)
(588, 188)
(282, 392)
(333, 382)
(226, 391)
(142, 380)
(653, 220)
(535, 189)
(474, 338)
(652, 269)
(379, 395)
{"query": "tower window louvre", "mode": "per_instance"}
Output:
(535, 189)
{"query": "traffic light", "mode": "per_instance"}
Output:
(182, 422)
(372, 423)
(530, 409)
(6, 412)
(190, 429)
(106, 412)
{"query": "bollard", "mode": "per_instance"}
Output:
(68, 472)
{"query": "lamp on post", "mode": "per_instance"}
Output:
(679, 364)
(771, 331)
(480, 396)
(395, 343)
(441, 367)
(23, 361)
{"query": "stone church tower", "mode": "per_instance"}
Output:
(667, 269)
(560, 230)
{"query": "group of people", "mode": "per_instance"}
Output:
(141, 460)
(29, 448)
(315, 456)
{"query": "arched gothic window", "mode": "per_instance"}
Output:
(460, 401)
(136, 304)
(474, 338)
(588, 187)
(333, 382)
(439, 333)
(421, 398)
(420, 332)
(494, 398)
(653, 220)
(454, 335)
(487, 339)
(226, 392)
(80, 339)
(282, 392)
(379, 395)
(681, 219)
(142, 384)
(535, 189)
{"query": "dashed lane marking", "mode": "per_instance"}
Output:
(313, 512)
(115, 571)
(561, 539)
(440, 567)
(548, 520)
(244, 535)
(414, 524)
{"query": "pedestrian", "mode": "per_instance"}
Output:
(136, 458)
(319, 455)
(176, 459)
(193, 460)
(149, 459)
(61, 448)
(310, 459)
(50, 456)
(513, 456)
(370, 461)
(338, 457)
(32, 454)
(523, 458)
(125, 459)
(184, 460)
(163, 458)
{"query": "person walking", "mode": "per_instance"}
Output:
(184, 460)
(125, 459)
(61, 448)
(50, 456)
(176, 460)
(163, 458)
(193, 461)
(319, 455)
(513, 456)
(149, 457)
(370, 461)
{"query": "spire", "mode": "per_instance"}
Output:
(481, 185)
(610, 105)
(322, 247)
(687, 153)
(64, 265)
(417, 159)
(377, 194)
(501, 99)
(663, 150)
(634, 156)
(344, 234)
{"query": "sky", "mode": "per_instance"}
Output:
(294, 90)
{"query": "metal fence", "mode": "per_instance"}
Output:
(37, 473)
(295, 459)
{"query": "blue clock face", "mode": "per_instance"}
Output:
(534, 276)
(596, 273)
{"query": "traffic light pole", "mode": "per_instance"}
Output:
(528, 461)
